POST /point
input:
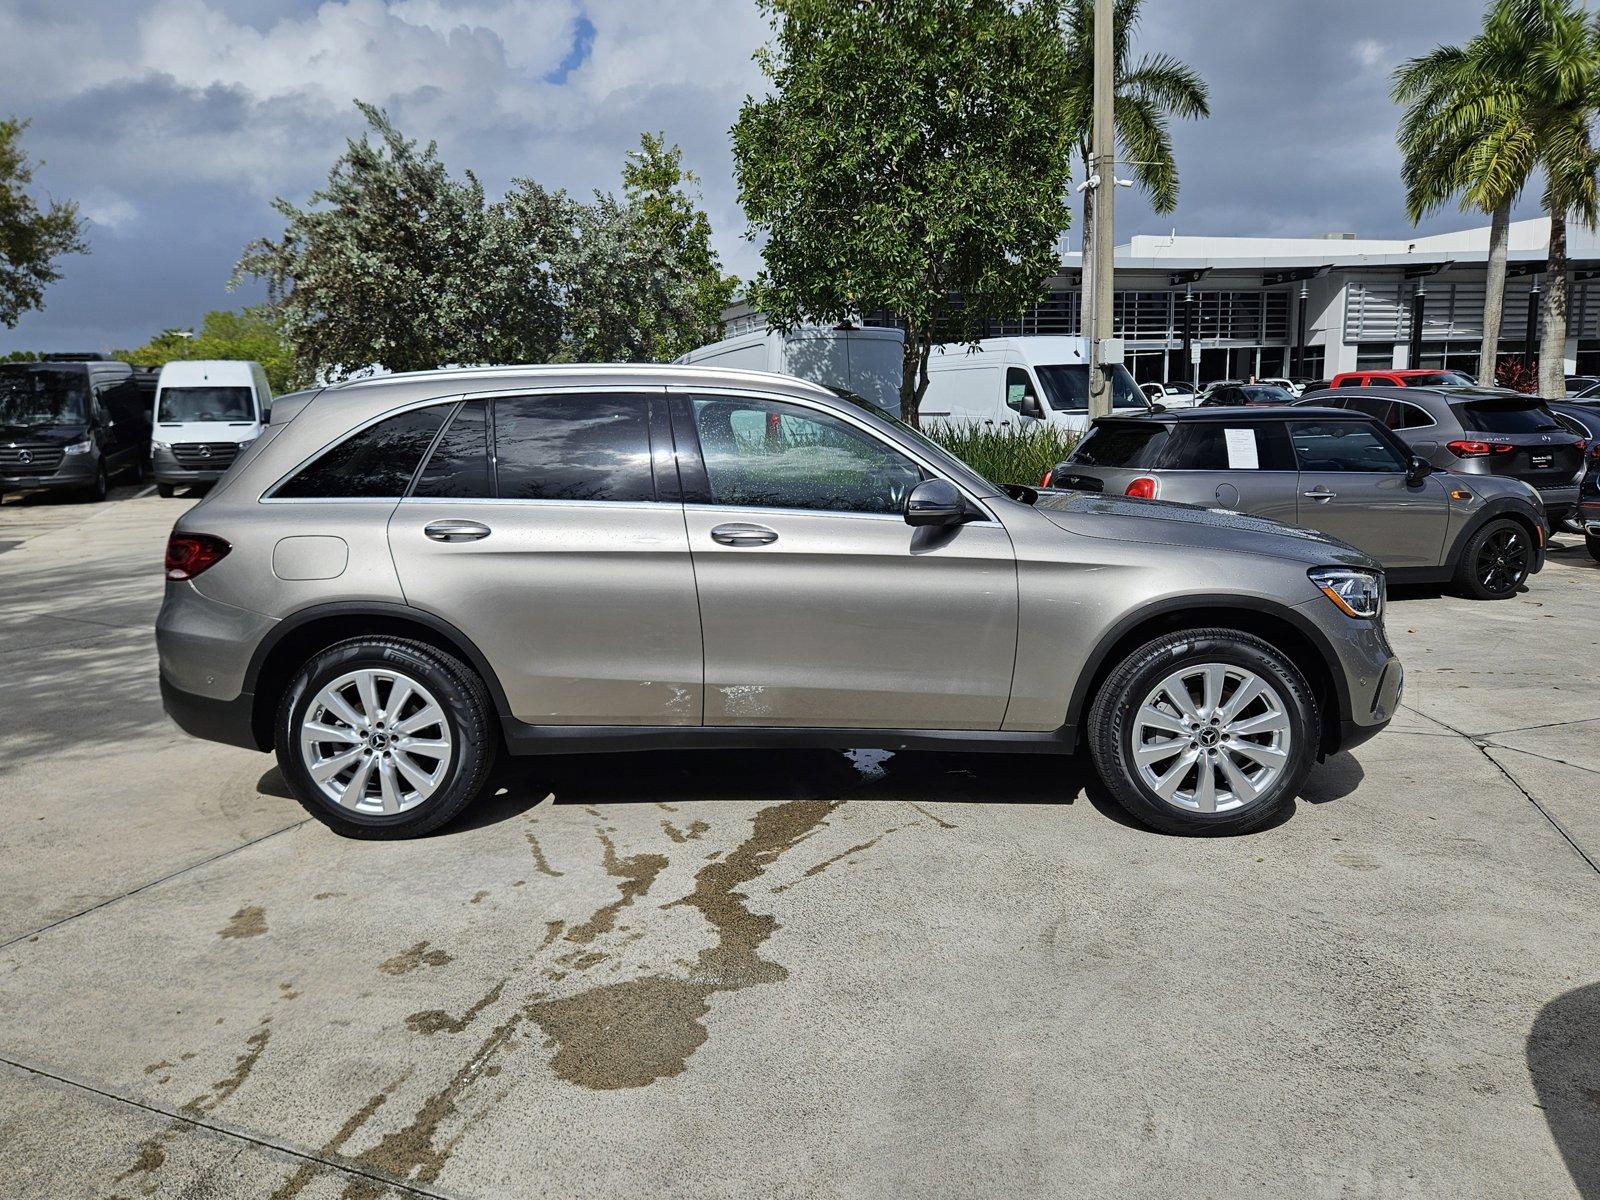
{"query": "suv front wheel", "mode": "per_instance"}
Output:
(385, 737)
(1204, 731)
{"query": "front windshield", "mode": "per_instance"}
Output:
(1266, 394)
(1066, 387)
(206, 404)
(34, 396)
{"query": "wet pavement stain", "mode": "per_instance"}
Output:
(303, 1175)
(696, 828)
(436, 1020)
(637, 872)
(255, 1044)
(822, 866)
(250, 921)
(540, 863)
(478, 897)
(414, 958)
(942, 824)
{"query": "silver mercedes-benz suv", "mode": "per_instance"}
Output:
(405, 577)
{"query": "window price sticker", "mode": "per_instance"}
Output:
(1242, 449)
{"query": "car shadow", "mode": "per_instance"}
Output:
(768, 776)
(1563, 1054)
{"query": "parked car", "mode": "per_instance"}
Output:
(1589, 501)
(1478, 431)
(1229, 395)
(207, 413)
(867, 362)
(1328, 469)
(71, 426)
(1178, 394)
(1154, 392)
(1578, 384)
(1287, 385)
(1019, 381)
(1588, 395)
(1315, 385)
(682, 557)
(1407, 377)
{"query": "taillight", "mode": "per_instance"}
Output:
(1594, 450)
(1143, 488)
(1044, 480)
(1582, 444)
(1471, 449)
(188, 554)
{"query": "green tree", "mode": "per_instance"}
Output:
(250, 335)
(398, 265)
(907, 154)
(31, 238)
(1483, 119)
(1149, 94)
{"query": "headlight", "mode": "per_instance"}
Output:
(83, 447)
(246, 444)
(1358, 593)
(155, 445)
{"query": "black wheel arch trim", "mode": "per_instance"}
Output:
(1096, 664)
(450, 634)
(1502, 506)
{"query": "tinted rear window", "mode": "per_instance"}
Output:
(577, 447)
(1500, 416)
(459, 465)
(1221, 446)
(376, 463)
(1136, 446)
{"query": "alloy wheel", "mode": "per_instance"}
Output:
(1503, 561)
(1211, 738)
(376, 742)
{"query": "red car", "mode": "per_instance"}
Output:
(1408, 377)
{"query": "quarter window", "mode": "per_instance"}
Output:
(375, 463)
(1342, 446)
(458, 468)
(582, 446)
(767, 454)
(1409, 416)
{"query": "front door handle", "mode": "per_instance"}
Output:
(740, 534)
(456, 531)
(1319, 495)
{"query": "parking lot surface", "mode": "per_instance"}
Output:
(792, 974)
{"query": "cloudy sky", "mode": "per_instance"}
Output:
(175, 122)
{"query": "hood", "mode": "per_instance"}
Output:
(1162, 523)
(42, 434)
(206, 431)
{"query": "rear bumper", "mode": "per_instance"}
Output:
(1558, 501)
(230, 722)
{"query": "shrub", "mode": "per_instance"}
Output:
(1518, 374)
(1005, 453)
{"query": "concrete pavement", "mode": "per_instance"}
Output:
(797, 974)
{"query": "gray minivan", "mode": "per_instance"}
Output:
(1330, 469)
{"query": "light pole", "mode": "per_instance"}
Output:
(1103, 180)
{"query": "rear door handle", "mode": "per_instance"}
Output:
(1321, 495)
(456, 531)
(740, 534)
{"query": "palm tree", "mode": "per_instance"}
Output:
(1149, 93)
(1484, 118)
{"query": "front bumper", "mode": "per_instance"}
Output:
(1368, 678)
(166, 469)
(76, 471)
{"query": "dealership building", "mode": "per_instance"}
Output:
(1204, 308)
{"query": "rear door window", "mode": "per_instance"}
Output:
(1343, 446)
(458, 468)
(1136, 446)
(1500, 416)
(582, 446)
(374, 463)
(1371, 405)
(1221, 446)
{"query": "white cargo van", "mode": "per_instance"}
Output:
(206, 413)
(863, 361)
(1019, 381)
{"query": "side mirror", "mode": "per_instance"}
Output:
(1031, 407)
(935, 502)
(1417, 469)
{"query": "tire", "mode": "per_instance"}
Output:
(382, 808)
(1280, 722)
(1593, 544)
(166, 490)
(1495, 562)
(97, 491)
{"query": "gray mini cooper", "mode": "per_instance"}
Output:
(1336, 470)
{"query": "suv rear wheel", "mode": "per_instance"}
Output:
(1495, 561)
(1204, 731)
(385, 737)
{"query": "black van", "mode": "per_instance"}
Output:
(71, 425)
